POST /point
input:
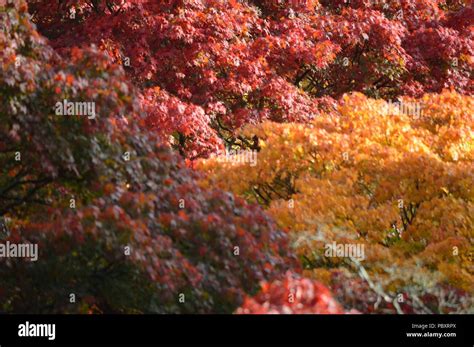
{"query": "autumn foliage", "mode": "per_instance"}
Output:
(402, 187)
(75, 195)
(291, 296)
(358, 115)
(221, 64)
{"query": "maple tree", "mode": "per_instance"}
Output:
(222, 64)
(402, 187)
(405, 47)
(119, 220)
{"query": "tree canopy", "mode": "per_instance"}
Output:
(207, 67)
(119, 219)
(247, 156)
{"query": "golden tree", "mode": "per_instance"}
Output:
(394, 178)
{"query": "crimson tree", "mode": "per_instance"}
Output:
(119, 220)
